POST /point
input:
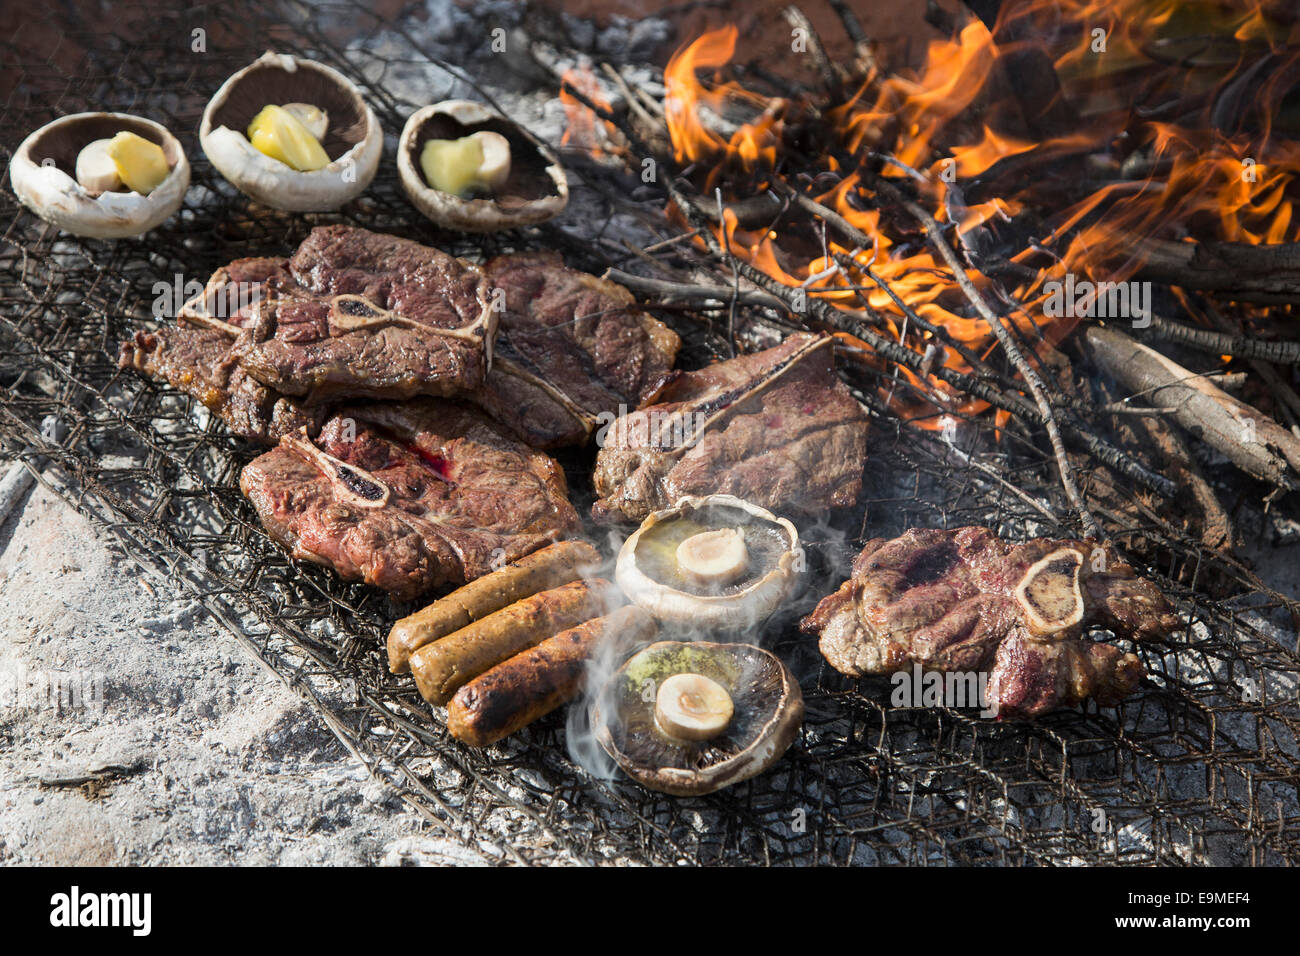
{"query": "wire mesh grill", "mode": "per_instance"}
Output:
(1202, 766)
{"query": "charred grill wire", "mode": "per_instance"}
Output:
(1200, 766)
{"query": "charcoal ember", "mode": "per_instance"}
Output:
(966, 600)
(777, 428)
(409, 496)
(570, 346)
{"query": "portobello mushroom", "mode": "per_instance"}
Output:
(689, 718)
(316, 97)
(515, 180)
(715, 562)
(44, 173)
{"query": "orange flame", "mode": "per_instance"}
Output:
(1215, 183)
(580, 128)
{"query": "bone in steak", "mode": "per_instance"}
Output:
(353, 314)
(966, 600)
(777, 428)
(198, 356)
(361, 314)
(569, 347)
(409, 496)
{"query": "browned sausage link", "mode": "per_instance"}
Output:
(550, 567)
(535, 682)
(442, 667)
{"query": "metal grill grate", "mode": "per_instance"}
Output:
(1202, 766)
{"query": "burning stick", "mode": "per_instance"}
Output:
(828, 317)
(1031, 377)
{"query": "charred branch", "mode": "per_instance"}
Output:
(1250, 439)
(1268, 274)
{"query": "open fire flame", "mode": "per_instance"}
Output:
(1195, 177)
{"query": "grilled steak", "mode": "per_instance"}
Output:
(777, 428)
(409, 496)
(353, 314)
(569, 346)
(361, 314)
(966, 600)
(198, 356)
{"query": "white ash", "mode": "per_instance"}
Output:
(198, 755)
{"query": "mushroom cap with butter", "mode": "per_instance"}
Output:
(43, 174)
(747, 713)
(535, 189)
(716, 562)
(353, 140)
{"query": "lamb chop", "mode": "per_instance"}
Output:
(966, 600)
(569, 347)
(409, 496)
(777, 428)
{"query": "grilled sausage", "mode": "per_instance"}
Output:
(440, 668)
(535, 682)
(550, 567)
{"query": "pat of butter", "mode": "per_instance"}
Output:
(479, 162)
(279, 134)
(141, 165)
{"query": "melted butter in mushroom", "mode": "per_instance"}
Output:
(767, 709)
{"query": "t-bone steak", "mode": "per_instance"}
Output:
(777, 428)
(569, 347)
(409, 496)
(966, 600)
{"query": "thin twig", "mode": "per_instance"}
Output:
(1035, 383)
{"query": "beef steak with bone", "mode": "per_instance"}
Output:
(966, 600)
(777, 428)
(356, 314)
(409, 496)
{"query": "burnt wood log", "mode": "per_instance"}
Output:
(1268, 273)
(1250, 439)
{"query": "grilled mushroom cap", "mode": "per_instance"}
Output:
(536, 189)
(354, 140)
(44, 169)
(650, 574)
(768, 710)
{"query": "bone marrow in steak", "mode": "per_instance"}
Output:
(777, 428)
(966, 600)
(569, 346)
(409, 496)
